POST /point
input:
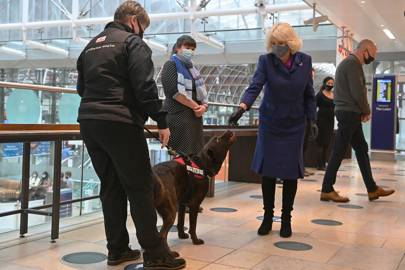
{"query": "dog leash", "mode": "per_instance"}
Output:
(171, 151)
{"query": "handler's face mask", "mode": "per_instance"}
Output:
(187, 53)
(328, 87)
(140, 31)
(280, 50)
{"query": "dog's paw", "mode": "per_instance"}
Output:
(175, 254)
(198, 241)
(183, 235)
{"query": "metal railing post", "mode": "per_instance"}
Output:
(25, 178)
(56, 190)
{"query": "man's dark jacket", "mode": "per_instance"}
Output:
(115, 79)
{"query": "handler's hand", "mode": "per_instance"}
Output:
(164, 136)
(365, 118)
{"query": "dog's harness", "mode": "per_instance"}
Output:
(193, 170)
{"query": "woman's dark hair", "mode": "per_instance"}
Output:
(325, 81)
(184, 40)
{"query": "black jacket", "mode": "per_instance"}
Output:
(115, 79)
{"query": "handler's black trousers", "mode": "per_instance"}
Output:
(350, 130)
(120, 157)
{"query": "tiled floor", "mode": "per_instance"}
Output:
(370, 238)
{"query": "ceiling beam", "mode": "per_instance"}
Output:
(211, 41)
(13, 52)
(46, 48)
(192, 15)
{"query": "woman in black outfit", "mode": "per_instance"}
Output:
(186, 98)
(325, 120)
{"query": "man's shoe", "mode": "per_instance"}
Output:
(333, 196)
(380, 192)
(164, 263)
(128, 255)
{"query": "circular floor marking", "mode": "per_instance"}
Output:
(135, 266)
(172, 229)
(256, 196)
(291, 245)
(326, 222)
(350, 206)
(275, 218)
(223, 209)
(84, 257)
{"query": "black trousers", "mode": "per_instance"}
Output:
(120, 157)
(322, 155)
(269, 191)
(350, 130)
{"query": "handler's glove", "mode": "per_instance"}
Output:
(234, 118)
(313, 130)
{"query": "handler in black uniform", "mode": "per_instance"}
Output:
(118, 95)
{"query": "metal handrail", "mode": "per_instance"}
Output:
(54, 89)
(36, 87)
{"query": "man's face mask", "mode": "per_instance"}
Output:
(369, 59)
(280, 50)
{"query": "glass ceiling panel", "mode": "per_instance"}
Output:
(224, 28)
(10, 11)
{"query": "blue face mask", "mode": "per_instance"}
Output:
(187, 54)
(280, 50)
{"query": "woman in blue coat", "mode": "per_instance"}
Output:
(288, 103)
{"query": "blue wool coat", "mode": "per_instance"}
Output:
(288, 102)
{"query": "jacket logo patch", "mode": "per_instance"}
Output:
(101, 39)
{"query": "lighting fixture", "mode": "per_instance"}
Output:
(389, 34)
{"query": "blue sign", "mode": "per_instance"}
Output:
(383, 115)
(37, 148)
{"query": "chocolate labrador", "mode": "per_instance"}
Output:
(179, 185)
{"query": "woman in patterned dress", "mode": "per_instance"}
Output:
(186, 98)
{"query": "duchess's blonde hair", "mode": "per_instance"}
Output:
(283, 32)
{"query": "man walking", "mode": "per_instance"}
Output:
(352, 108)
(118, 95)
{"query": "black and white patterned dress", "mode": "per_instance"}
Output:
(186, 129)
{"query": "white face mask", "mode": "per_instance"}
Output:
(187, 53)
